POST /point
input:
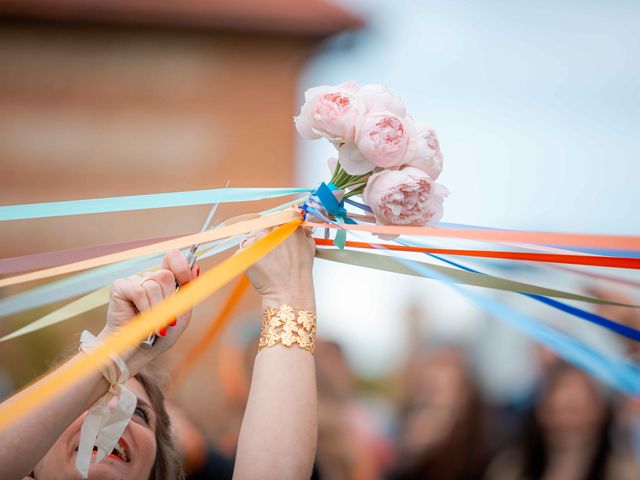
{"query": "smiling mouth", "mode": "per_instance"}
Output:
(118, 453)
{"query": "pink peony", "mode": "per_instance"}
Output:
(405, 197)
(376, 96)
(383, 138)
(425, 151)
(353, 161)
(331, 112)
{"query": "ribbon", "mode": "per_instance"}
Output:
(138, 329)
(472, 278)
(97, 278)
(103, 427)
(591, 251)
(222, 319)
(142, 202)
(599, 320)
(613, 242)
(325, 195)
(73, 309)
(95, 299)
(208, 236)
(38, 261)
(615, 262)
(612, 370)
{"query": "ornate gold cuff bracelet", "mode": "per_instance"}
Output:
(288, 326)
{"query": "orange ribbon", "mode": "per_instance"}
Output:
(593, 260)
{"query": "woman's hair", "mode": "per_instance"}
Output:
(535, 447)
(469, 434)
(167, 463)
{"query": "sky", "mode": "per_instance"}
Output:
(537, 106)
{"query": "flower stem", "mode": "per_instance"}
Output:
(354, 192)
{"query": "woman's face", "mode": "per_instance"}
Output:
(573, 404)
(138, 443)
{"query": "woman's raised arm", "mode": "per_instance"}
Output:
(279, 428)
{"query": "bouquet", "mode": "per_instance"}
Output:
(384, 156)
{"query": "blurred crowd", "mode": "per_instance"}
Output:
(432, 421)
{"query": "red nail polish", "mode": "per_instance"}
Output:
(173, 322)
(198, 271)
(163, 332)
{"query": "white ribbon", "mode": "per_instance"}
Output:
(103, 427)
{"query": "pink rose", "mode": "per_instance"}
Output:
(383, 138)
(376, 96)
(331, 112)
(425, 151)
(405, 197)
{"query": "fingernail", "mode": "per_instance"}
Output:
(173, 322)
(163, 332)
(198, 271)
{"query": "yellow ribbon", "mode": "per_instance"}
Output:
(226, 231)
(138, 329)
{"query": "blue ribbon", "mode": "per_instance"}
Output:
(142, 202)
(325, 196)
(604, 322)
(613, 370)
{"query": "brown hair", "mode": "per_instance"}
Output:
(167, 463)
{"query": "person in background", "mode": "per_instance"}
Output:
(566, 435)
(200, 459)
(350, 443)
(443, 427)
(627, 416)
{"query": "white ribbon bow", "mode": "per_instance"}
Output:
(103, 427)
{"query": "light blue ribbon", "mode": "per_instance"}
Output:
(84, 282)
(142, 202)
(615, 371)
(612, 370)
(604, 322)
(324, 193)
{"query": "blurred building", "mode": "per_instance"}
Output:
(125, 97)
(129, 97)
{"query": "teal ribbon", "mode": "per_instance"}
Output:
(330, 203)
(142, 202)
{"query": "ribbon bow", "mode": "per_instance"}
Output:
(103, 427)
(336, 208)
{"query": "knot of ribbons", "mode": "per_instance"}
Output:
(103, 426)
(325, 197)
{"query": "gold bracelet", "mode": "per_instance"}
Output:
(288, 326)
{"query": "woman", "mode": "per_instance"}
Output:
(443, 431)
(278, 433)
(567, 435)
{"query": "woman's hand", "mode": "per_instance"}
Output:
(284, 275)
(137, 293)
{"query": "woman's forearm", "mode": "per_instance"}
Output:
(25, 442)
(279, 428)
